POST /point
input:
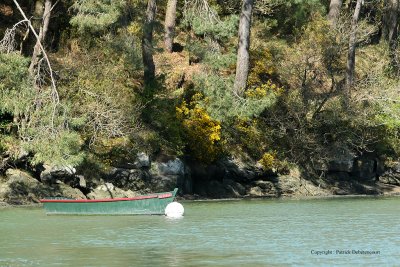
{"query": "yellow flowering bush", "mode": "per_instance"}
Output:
(262, 91)
(135, 29)
(204, 133)
(262, 67)
(268, 161)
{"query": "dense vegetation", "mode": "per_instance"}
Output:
(102, 80)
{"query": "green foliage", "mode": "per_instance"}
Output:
(292, 110)
(16, 94)
(101, 97)
(64, 148)
(223, 105)
(95, 16)
(205, 21)
(300, 14)
(219, 30)
(40, 124)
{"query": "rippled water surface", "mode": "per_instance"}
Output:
(225, 233)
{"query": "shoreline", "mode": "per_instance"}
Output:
(5, 205)
(287, 198)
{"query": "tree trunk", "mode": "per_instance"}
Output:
(147, 39)
(38, 15)
(390, 21)
(334, 11)
(243, 57)
(42, 35)
(351, 57)
(169, 26)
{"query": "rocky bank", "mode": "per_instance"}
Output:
(227, 178)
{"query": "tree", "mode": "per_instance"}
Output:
(334, 11)
(169, 26)
(147, 39)
(42, 35)
(38, 14)
(390, 30)
(390, 21)
(351, 57)
(243, 57)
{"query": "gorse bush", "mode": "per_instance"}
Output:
(204, 133)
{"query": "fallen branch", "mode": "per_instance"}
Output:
(53, 83)
(55, 95)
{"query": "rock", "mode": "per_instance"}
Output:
(14, 175)
(163, 183)
(172, 167)
(129, 179)
(294, 185)
(235, 189)
(62, 170)
(256, 191)
(107, 187)
(262, 188)
(364, 170)
(65, 173)
(18, 187)
(186, 184)
(387, 179)
(142, 161)
(225, 169)
(22, 155)
(339, 191)
(265, 185)
(82, 181)
(380, 167)
(22, 188)
(65, 190)
(108, 190)
(320, 165)
(117, 173)
(165, 176)
(216, 189)
(337, 176)
(344, 165)
(337, 158)
(138, 180)
(396, 167)
(238, 171)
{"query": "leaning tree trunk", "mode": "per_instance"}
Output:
(169, 26)
(243, 57)
(390, 21)
(334, 11)
(390, 31)
(42, 35)
(147, 40)
(38, 12)
(351, 57)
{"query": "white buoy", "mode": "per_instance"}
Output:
(174, 210)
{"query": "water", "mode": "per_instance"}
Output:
(225, 233)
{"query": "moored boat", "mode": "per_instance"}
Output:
(152, 204)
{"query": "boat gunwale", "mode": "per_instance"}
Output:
(160, 196)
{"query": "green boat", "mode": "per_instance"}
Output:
(152, 204)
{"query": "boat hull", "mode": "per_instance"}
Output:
(153, 204)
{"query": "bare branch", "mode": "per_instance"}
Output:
(53, 83)
(7, 44)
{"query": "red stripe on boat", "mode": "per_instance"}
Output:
(167, 195)
(104, 200)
